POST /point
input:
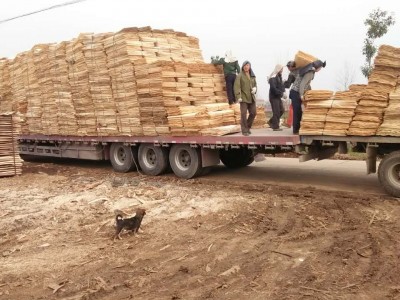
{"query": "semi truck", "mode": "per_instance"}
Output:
(192, 156)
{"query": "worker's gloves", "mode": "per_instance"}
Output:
(240, 100)
(284, 96)
(254, 90)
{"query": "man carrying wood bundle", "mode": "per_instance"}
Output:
(294, 82)
(301, 80)
(231, 69)
(245, 89)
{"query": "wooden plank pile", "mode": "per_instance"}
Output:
(10, 162)
(362, 109)
(341, 112)
(66, 118)
(5, 87)
(78, 74)
(317, 103)
(374, 99)
(391, 120)
(100, 84)
(133, 82)
(18, 70)
(389, 63)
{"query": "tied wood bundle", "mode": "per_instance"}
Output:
(206, 84)
(357, 87)
(223, 130)
(200, 121)
(391, 121)
(317, 103)
(328, 113)
(302, 59)
(340, 114)
(10, 162)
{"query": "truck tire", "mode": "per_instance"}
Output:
(122, 157)
(153, 160)
(185, 161)
(389, 173)
(236, 158)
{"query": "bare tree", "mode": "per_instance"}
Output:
(345, 77)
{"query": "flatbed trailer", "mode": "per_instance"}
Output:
(191, 156)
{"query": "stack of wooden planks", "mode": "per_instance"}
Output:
(374, 99)
(317, 103)
(389, 68)
(132, 82)
(10, 162)
(362, 109)
(5, 88)
(341, 113)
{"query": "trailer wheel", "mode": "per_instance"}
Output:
(236, 158)
(185, 161)
(122, 157)
(389, 173)
(153, 160)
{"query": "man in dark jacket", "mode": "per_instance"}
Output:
(276, 92)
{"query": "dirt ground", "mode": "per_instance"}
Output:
(200, 239)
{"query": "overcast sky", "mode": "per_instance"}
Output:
(263, 32)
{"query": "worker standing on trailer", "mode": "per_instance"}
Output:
(231, 69)
(276, 92)
(293, 82)
(245, 89)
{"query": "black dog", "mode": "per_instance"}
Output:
(132, 224)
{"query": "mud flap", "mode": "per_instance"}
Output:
(372, 152)
(209, 157)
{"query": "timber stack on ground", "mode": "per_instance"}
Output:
(10, 162)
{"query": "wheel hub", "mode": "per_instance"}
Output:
(121, 154)
(151, 158)
(394, 175)
(184, 159)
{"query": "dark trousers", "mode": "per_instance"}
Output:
(297, 111)
(247, 122)
(230, 80)
(277, 112)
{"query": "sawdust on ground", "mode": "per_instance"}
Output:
(200, 240)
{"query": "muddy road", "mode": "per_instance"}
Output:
(201, 239)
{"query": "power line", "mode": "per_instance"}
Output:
(42, 10)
